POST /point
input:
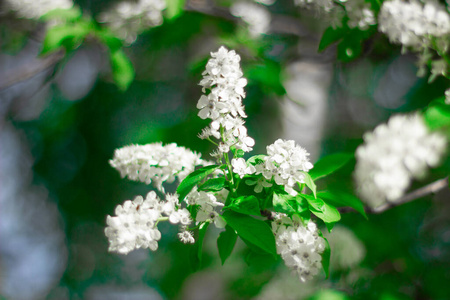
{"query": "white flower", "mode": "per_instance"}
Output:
(155, 163)
(256, 16)
(240, 167)
(300, 247)
(34, 9)
(348, 250)
(411, 23)
(392, 155)
(223, 104)
(128, 19)
(186, 237)
(133, 227)
(135, 223)
(286, 163)
(260, 184)
(207, 204)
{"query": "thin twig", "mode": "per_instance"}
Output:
(30, 70)
(429, 189)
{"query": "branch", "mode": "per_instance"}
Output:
(429, 189)
(29, 70)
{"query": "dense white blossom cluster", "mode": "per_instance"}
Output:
(286, 163)
(412, 23)
(135, 223)
(299, 246)
(359, 12)
(223, 105)
(34, 9)
(155, 163)
(320, 5)
(207, 204)
(129, 18)
(256, 16)
(394, 154)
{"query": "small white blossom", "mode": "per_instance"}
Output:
(155, 163)
(128, 19)
(260, 184)
(186, 237)
(392, 155)
(240, 167)
(207, 203)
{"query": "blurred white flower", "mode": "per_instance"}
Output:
(256, 16)
(129, 18)
(392, 155)
(348, 250)
(412, 23)
(34, 9)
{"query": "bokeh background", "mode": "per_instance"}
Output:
(59, 128)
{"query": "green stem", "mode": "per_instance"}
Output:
(162, 219)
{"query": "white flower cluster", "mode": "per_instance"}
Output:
(412, 23)
(392, 155)
(207, 203)
(34, 9)
(320, 5)
(286, 163)
(299, 246)
(135, 223)
(256, 16)
(359, 12)
(155, 163)
(128, 19)
(223, 105)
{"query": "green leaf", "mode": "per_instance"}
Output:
(109, 39)
(248, 205)
(257, 159)
(174, 8)
(330, 295)
(261, 261)
(326, 256)
(225, 243)
(310, 183)
(68, 36)
(329, 164)
(340, 198)
(257, 232)
(213, 185)
(193, 179)
(122, 69)
(287, 204)
(71, 14)
(437, 116)
(331, 35)
(324, 211)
